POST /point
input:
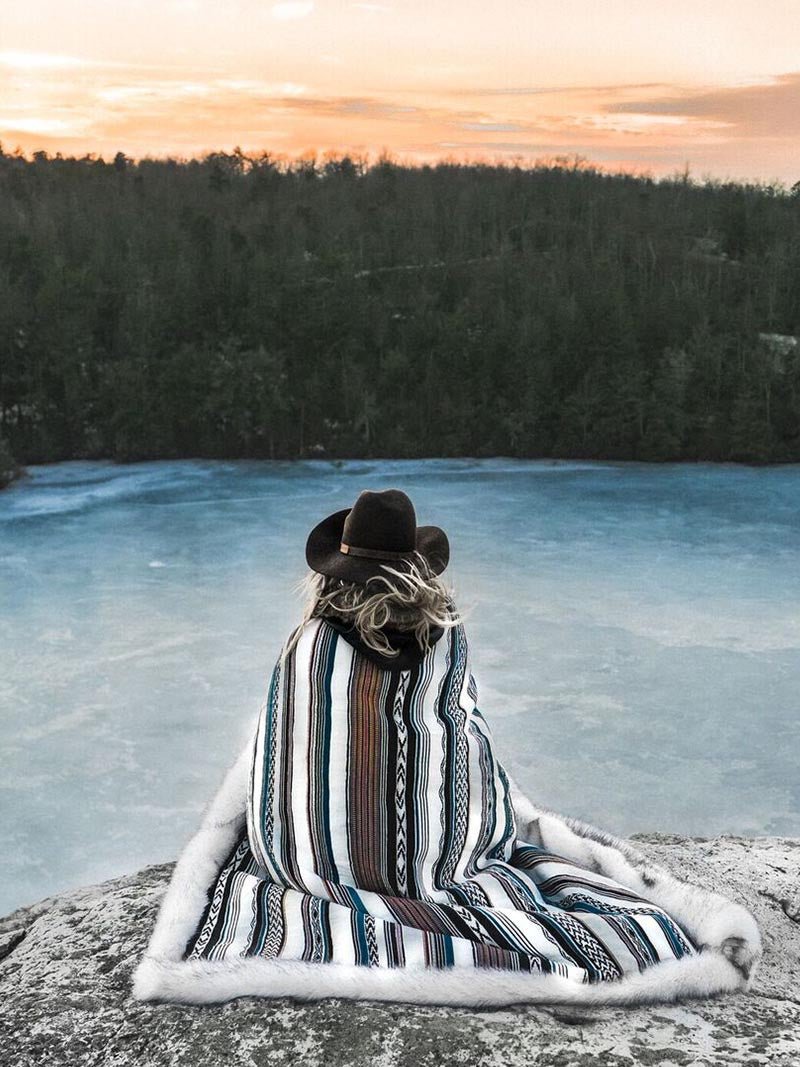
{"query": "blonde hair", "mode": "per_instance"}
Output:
(412, 599)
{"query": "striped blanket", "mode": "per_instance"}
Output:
(381, 846)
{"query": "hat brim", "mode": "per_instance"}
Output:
(324, 556)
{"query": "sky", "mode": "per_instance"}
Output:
(645, 86)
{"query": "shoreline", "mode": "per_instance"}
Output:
(336, 462)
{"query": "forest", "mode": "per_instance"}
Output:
(248, 306)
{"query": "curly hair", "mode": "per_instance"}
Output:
(411, 599)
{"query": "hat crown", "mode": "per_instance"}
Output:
(381, 521)
(355, 544)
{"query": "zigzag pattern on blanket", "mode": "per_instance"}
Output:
(162, 974)
(712, 921)
(532, 899)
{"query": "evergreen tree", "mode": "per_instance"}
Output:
(243, 305)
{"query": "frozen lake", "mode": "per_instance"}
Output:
(634, 629)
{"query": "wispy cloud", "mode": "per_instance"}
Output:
(56, 100)
(631, 121)
(770, 109)
(44, 63)
(485, 126)
(363, 107)
(40, 61)
(552, 90)
(134, 94)
(634, 124)
(258, 89)
(46, 126)
(240, 108)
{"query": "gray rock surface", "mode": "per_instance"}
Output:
(66, 962)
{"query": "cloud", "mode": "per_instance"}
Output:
(633, 121)
(634, 124)
(291, 89)
(60, 101)
(123, 94)
(484, 126)
(225, 93)
(39, 61)
(363, 107)
(44, 62)
(47, 126)
(769, 109)
(257, 89)
(292, 9)
(553, 90)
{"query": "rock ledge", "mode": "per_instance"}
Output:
(66, 962)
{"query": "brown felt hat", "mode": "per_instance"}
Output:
(379, 528)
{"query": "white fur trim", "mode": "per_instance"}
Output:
(204, 982)
(728, 932)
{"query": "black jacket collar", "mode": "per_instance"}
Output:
(410, 652)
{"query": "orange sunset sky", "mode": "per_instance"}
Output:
(640, 85)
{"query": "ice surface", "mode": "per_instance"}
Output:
(635, 637)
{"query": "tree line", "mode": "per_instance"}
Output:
(239, 306)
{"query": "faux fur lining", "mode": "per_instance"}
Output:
(204, 982)
(727, 932)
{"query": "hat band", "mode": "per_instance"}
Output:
(372, 553)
